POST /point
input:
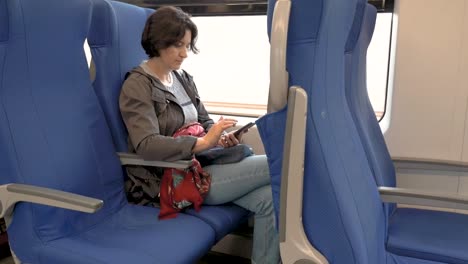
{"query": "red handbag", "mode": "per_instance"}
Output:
(193, 129)
(183, 188)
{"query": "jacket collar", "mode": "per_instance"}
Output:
(183, 77)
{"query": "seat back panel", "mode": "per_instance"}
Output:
(342, 213)
(125, 25)
(57, 134)
(361, 108)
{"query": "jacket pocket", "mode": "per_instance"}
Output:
(159, 100)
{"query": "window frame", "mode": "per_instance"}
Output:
(231, 7)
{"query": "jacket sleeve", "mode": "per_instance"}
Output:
(140, 118)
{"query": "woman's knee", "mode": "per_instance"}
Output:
(234, 181)
(253, 166)
(259, 201)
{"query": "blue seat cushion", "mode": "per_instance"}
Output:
(223, 219)
(430, 235)
(135, 235)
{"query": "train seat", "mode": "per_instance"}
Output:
(114, 40)
(346, 215)
(341, 217)
(54, 135)
(412, 233)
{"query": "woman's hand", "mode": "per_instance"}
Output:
(229, 140)
(213, 136)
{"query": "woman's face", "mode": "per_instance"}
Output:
(174, 55)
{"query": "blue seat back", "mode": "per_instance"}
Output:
(342, 213)
(53, 131)
(7, 164)
(361, 107)
(114, 54)
(271, 127)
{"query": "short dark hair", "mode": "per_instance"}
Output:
(165, 27)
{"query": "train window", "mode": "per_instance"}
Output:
(89, 60)
(232, 68)
(87, 52)
(377, 63)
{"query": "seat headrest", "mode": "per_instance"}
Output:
(355, 31)
(3, 21)
(115, 41)
(110, 18)
(310, 11)
(100, 30)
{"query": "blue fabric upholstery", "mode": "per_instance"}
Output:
(7, 169)
(4, 20)
(54, 134)
(223, 219)
(430, 235)
(360, 105)
(134, 235)
(343, 215)
(114, 39)
(301, 39)
(419, 234)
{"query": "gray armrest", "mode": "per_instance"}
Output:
(295, 247)
(416, 197)
(430, 164)
(134, 159)
(10, 194)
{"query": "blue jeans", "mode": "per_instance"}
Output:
(247, 184)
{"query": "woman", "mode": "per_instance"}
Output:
(158, 98)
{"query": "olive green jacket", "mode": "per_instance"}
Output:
(152, 114)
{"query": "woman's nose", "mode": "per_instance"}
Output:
(184, 52)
